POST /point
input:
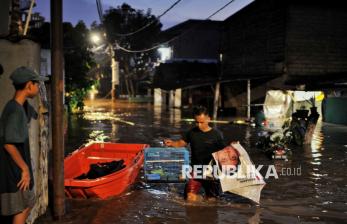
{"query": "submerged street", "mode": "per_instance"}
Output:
(109, 78)
(313, 188)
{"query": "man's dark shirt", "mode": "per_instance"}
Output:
(203, 144)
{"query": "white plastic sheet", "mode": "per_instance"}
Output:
(278, 107)
(242, 182)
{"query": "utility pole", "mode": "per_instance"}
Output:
(26, 27)
(57, 108)
(217, 90)
(115, 72)
(248, 99)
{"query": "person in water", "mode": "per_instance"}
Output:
(203, 140)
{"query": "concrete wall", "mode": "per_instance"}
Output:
(335, 110)
(13, 55)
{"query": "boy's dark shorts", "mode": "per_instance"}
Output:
(14, 203)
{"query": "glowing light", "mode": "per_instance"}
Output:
(239, 122)
(92, 96)
(303, 95)
(165, 53)
(93, 92)
(95, 38)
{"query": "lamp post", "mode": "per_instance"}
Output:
(97, 39)
(114, 72)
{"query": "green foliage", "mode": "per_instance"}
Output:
(125, 19)
(75, 99)
(77, 60)
(134, 67)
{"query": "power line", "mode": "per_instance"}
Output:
(213, 14)
(138, 51)
(100, 10)
(174, 38)
(149, 24)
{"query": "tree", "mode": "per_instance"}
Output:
(77, 60)
(16, 22)
(135, 68)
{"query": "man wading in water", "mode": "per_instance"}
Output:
(204, 140)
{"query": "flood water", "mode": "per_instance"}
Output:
(315, 192)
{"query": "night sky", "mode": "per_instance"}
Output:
(75, 10)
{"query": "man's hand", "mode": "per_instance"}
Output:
(24, 183)
(175, 144)
(168, 142)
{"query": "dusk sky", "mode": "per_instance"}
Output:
(75, 10)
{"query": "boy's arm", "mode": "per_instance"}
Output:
(24, 183)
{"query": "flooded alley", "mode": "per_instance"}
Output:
(316, 194)
(270, 75)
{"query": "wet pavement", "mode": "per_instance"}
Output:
(313, 188)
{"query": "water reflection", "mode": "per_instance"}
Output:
(319, 194)
(97, 136)
(114, 131)
(157, 115)
(255, 219)
(105, 116)
(175, 117)
(194, 214)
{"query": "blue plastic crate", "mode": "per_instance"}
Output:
(165, 164)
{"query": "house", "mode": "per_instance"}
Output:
(284, 45)
(191, 64)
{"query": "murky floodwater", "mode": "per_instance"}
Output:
(317, 195)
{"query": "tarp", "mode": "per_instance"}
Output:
(277, 108)
(279, 105)
(245, 182)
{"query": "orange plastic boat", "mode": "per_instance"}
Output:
(79, 161)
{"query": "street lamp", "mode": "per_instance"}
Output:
(96, 38)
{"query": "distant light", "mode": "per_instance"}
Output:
(95, 38)
(92, 96)
(165, 53)
(307, 95)
(93, 92)
(240, 122)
